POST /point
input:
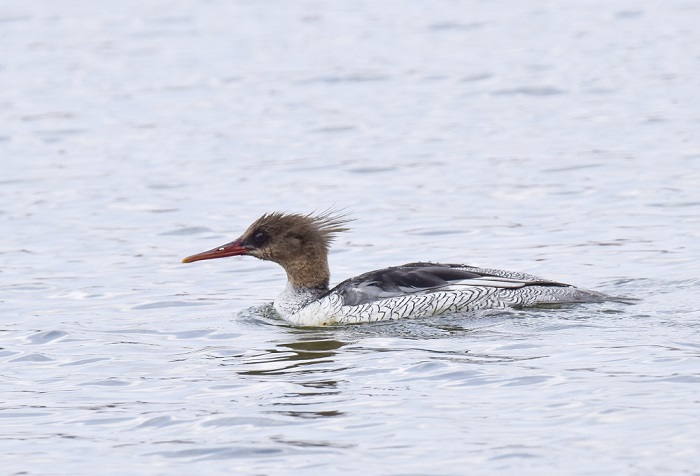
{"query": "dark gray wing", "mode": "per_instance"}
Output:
(414, 278)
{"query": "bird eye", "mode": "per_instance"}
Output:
(259, 238)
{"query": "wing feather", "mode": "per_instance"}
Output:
(423, 278)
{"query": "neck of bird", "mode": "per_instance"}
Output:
(310, 273)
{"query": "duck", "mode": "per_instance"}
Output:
(300, 244)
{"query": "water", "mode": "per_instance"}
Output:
(556, 139)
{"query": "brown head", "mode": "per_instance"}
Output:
(299, 243)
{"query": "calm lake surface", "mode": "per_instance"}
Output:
(556, 138)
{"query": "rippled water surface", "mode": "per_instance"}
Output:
(557, 138)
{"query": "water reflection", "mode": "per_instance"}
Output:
(321, 414)
(310, 350)
(302, 371)
(303, 356)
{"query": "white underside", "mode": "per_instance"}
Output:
(329, 310)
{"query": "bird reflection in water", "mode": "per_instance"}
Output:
(305, 356)
(308, 363)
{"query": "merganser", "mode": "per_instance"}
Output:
(300, 244)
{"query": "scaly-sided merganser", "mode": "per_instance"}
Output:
(300, 243)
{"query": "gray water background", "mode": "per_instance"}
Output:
(556, 138)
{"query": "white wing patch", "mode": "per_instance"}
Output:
(489, 281)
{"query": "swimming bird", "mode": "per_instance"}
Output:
(300, 244)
